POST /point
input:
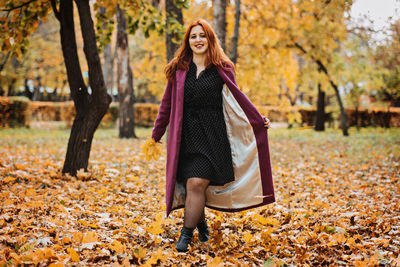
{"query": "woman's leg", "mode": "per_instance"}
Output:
(194, 210)
(195, 201)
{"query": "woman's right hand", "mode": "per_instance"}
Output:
(267, 123)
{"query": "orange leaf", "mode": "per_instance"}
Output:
(117, 246)
(89, 237)
(73, 254)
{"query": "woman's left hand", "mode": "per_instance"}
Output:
(267, 123)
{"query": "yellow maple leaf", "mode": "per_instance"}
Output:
(151, 150)
(50, 254)
(73, 254)
(140, 252)
(267, 221)
(90, 237)
(30, 192)
(247, 237)
(215, 262)
(117, 246)
(155, 228)
(77, 237)
(66, 240)
(155, 257)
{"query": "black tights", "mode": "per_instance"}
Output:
(195, 201)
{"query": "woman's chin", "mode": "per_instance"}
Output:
(199, 52)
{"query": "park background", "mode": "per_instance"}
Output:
(328, 80)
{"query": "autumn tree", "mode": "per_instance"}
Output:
(319, 40)
(360, 76)
(42, 65)
(387, 56)
(150, 57)
(90, 108)
(21, 20)
(131, 16)
(313, 29)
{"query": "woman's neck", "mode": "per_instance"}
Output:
(199, 60)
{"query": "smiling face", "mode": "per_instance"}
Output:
(198, 41)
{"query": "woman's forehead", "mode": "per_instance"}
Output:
(197, 29)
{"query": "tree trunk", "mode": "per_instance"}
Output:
(219, 20)
(90, 109)
(235, 38)
(36, 89)
(343, 114)
(108, 61)
(357, 115)
(27, 92)
(172, 12)
(108, 68)
(11, 87)
(320, 116)
(125, 83)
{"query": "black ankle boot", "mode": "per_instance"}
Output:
(184, 239)
(204, 234)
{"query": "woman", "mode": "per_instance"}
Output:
(217, 151)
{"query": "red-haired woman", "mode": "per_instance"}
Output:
(217, 151)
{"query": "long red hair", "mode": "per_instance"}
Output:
(215, 54)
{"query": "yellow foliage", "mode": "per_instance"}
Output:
(294, 117)
(117, 246)
(89, 237)
(151, 150)
(215, 262)
(73, 254)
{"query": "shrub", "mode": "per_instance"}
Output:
(14, 111)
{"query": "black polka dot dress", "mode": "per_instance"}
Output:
(205, 150)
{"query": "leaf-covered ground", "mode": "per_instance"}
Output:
(337, 203)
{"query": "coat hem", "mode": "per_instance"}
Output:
(266, 201)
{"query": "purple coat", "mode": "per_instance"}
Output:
(253, 185)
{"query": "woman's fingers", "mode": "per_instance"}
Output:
(267, 123)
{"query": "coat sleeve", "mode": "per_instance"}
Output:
(161, 123)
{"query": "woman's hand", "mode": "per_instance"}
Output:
(267, 123)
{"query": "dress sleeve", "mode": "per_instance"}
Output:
(162, 121)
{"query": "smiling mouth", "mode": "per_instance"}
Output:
(199, 46)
